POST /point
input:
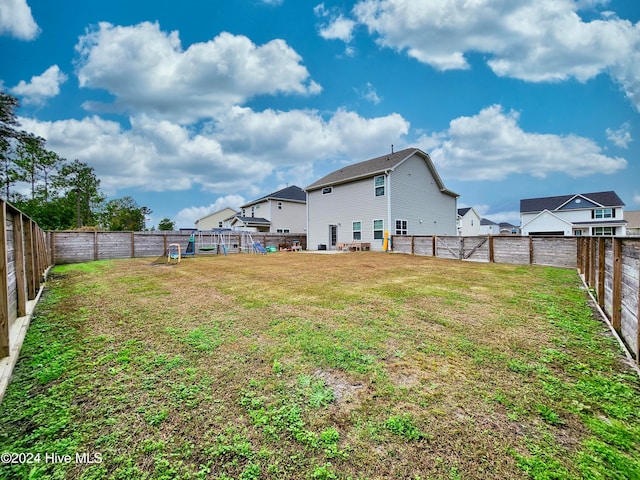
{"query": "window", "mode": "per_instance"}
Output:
(378, 229)
(279, 205)
(604, 213)
(253, 211)
(610, 231)
(219, 224)
(282, 230)
(378, 183)
(401, 227)
(327, 190)
(357, 230)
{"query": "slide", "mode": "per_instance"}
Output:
(258, 246)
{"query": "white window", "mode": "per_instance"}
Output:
(378, 183)
(401, 227)
(327, 190)
(378, 229)
(610, 231)
(603, 213)
(279, 205)
(357, 230)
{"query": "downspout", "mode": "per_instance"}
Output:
(388, 176)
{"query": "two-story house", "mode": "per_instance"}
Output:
(215, 220)
(468, 222)
(400, 193)
(599, 213)
(283, 211)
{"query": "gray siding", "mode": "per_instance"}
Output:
(355, 201)
(415, 197)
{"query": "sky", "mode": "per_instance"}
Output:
(193, 106)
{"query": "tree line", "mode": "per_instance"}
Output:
(56, 193)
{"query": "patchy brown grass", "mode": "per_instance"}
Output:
(362, 365)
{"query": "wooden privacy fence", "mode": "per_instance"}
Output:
(552, 251)
(23, 261)
(611, 268)
(80, 246)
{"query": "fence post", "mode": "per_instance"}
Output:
(413, 244)
(95, 246)
(18, 250)
(491, 252)
(434, 246)
(616, 313)
(586, 257)
(601, 271)
(638, 322)
(530, 250)
(133, 245)
(4, 292)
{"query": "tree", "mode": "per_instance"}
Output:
(28, 154)
(9, 137)
(123, 214)
(166, 224)
(82, 190)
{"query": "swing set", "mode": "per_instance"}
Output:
(218, 240)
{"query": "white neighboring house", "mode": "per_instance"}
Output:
(283, 211)
(468, 222)
(399, 192)
(489, 227)
(219, 219)
(599, 213)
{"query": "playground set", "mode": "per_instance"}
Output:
(217, 241)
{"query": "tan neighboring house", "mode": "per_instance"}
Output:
(284, 211)
(219, 219)
(633, 225)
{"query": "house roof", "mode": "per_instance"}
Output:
(376, 166)
(486, 221)
(251, 220)
(290, 194)
(218, 212)
(604, 199)
(463, 211)
(633, 218)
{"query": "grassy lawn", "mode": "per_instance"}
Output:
(361, 366)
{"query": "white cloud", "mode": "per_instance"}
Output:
(16, 20)
(234, 154)
(620, 137)
(532, 40)
(187, 216)
(370, 94)
(491, 146)
(338, 26)
(636, 198)
(42, 87)
(147, 70)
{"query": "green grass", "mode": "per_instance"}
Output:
(355, 366)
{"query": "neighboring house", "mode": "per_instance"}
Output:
(399, 192)
(468, 222)
(219, 219)
(599, 213)
(633, 225)
(489, 227)
(508, 229)
(283, 211)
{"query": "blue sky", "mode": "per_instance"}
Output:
(193, 106)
